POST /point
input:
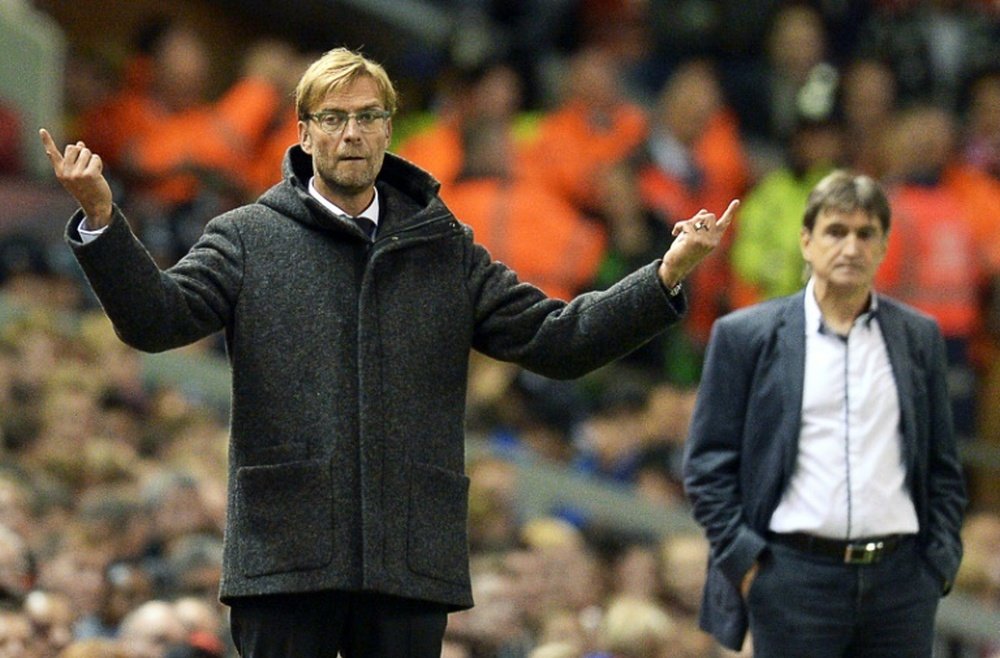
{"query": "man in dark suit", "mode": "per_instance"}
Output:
(821, 459)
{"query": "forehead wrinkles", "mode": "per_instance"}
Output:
(851, 219)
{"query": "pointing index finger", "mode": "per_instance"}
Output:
(727, 216)
(51, 149)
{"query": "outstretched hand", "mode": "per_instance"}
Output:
(694, 239)
(79, 171)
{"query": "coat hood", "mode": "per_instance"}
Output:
(415, 188)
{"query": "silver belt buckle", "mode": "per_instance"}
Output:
(866, 553)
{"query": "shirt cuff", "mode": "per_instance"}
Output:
(89, 235)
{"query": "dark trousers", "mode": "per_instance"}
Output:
(804, 605)
(321, 624)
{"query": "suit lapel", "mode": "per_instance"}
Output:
(791, 350)
(897, 344)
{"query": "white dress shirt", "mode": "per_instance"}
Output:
(371, 212)
(849, 479)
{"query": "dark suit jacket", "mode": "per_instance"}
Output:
(743, 442)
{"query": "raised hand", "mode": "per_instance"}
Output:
(694, 239)
(79, 171)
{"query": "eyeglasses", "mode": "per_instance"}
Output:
(333, 122)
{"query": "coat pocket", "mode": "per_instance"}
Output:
(284, 517)
(438, 545)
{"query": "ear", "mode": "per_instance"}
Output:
(305, 139)
(388, 130)
(881, 250)
(805, 237)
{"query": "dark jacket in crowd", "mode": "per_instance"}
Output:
(349, 362)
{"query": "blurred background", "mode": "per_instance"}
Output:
(571, 135)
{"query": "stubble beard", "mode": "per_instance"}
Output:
(350, 180)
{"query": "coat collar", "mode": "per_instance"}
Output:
(408, 195)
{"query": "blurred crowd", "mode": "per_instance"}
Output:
(112, 488)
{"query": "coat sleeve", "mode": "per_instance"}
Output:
(713, 458)
(152, 309)
(946, 494)
(515, 321)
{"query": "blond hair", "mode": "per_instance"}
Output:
(556, 650)
(334, 70)
(94, 648)
(636, 628)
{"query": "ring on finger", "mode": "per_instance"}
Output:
(700, 226)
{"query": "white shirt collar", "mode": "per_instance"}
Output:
(814, 316)
(371, 212)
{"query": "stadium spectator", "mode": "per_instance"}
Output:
(181, 154)
(151, 630)
(521, 222)
(594, 128)
(981, 138)
(51, 615)
(932, 261)
(490, 93)
(867, 107)
(765, 255)
(17, 568)
(16, 637)
(693, 157)
(935, 47)
(765, 93)
(636, 628)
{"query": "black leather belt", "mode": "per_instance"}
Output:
(866, 550)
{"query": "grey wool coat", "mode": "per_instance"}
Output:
(349, 364)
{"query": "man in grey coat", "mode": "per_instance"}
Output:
(350, 298)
